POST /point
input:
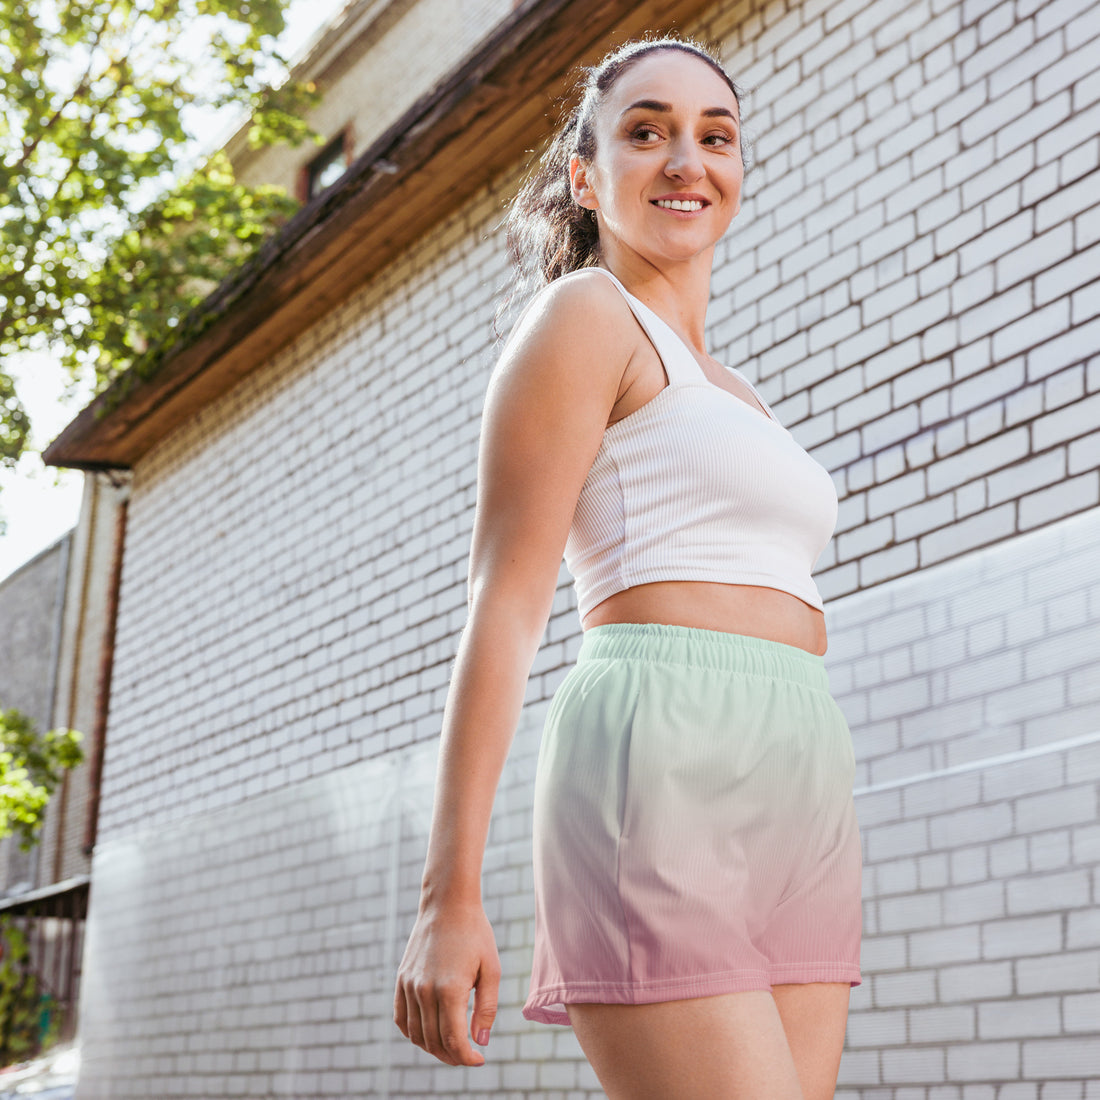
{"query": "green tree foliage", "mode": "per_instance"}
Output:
(24, 1003)
(31, 765)
(109, 235)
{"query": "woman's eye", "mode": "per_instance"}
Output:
(718, 139)
(645, 134)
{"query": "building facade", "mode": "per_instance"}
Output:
(56, 637)
(913, 285)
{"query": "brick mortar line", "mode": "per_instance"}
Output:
(984, 762)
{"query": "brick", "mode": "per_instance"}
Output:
(971, 160)
(1049, 850)
(920, 316)
(969, 864)
(983, 1061)
(976, 823)
(1062, 71)
(944, 945)
(1073, 495)
(989, 317)
(980, 424)
(1066, 422)
(1078, 162)
(1086, 92)
(979, 981)
(916, 1064)
(920, 381)
(1042, 119)
(927, 516)
(974, 902)
(1067, 806)
(913, 987)
(1039, 184)
(942, 1024)
(998, 53)
(1067, 136)
(1042, 252)
(874, 402)
(997, 242)
(1084, 27)
(1057, 13)
(1043, 55)
(1069, 890)
(1068, 201)
(1084, 453)
(1077, 271)
(1081, 1012)
(911, 911)
(1053, 1058)
(995, 118)
(875, 1029)
(976, 287)
(1084, 304)
(894, 494)
(1043, 469)
(1071, 970)
(983, 458)
(833, 329)
(1063, 351)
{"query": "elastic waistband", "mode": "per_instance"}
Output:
(712, 649)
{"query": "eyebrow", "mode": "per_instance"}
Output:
(666, 108)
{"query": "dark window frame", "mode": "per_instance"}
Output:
(335, 152)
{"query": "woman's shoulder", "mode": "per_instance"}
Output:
(577, 333)
(582, 303)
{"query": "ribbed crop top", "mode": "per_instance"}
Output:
(698, 485)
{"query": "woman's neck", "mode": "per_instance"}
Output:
(678, 293)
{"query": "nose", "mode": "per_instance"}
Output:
(685, 161)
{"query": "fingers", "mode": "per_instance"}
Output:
(486, 997)
(451, 1021)
(434, 1019)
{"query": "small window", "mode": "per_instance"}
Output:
(327, 167)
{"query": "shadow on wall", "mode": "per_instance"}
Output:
(266, 941)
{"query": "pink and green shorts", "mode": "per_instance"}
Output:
(695, 831)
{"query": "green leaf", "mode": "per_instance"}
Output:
(108, 239)
(31, 766)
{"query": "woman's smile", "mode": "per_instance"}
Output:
(681, 204)
(668, 146)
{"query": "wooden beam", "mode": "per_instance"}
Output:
(472, 126)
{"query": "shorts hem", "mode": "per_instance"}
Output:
(637, 993)
(539, 1005)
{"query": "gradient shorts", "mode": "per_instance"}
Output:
(695, 831)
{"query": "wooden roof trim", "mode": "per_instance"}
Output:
(455, 139)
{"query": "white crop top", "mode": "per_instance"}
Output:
(698, 485)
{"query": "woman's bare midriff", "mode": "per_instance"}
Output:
(733, 608)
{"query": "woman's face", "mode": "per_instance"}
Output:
(667, 172)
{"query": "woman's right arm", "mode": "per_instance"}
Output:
(547, 405)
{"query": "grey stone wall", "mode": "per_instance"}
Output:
(29, 626)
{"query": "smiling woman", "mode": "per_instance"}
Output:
(696, 852)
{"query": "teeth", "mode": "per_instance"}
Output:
(679, 204)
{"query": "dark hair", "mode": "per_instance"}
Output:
(548, 233)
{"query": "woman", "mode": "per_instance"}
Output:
(697, 856)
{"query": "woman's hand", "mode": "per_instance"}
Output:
(451, 951)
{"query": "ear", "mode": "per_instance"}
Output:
(580, 184)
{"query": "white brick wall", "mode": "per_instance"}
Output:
(928, 175)
(978, 797)
(287, 915)
(910, 284)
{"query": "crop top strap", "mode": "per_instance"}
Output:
(680, 365)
